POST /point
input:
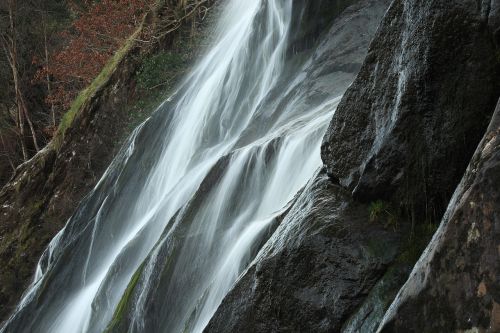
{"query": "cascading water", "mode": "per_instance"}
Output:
(194, 193)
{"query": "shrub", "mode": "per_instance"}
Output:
(381, 211)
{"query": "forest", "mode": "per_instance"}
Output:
(50, 51)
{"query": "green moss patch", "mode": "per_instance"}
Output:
(86, 94)
(125, 300)
(381, 211)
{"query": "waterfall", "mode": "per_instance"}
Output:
(195, 191)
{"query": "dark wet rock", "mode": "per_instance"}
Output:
(368, 316)
(409, 124)
(311, 19)
(340, 54)
(336, 56)
(455, 285)
(492, 11)
(316, 269)
(405, 131)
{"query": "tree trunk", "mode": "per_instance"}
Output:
(49, 93)
(21, 105)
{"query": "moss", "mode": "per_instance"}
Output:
(35, 207)
(125, 300)
(85, 95)
(369, 315)
(376, 248)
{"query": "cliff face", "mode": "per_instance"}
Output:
(408, 126)
(45, 191)
(315, 271)
(406, 131)
(455, 285)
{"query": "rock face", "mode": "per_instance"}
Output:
(410, 122)
(312, 19)
(320, 264)
(455, 286)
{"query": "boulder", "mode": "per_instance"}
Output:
(315, 271)
(408, 126)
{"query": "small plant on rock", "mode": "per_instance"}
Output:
(381, 211)
(377, 209)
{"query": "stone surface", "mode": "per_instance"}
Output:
(410, 122)
(317, 268)
(455, 286)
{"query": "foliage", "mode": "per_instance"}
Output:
(154, 71)
(63, 45)
(381, 211)
(88, 92)
(24, 27)
(99, 30)
(376, 210)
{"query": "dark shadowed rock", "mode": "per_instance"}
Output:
(311, 19)
(455, 286)
(316, 269)
(409, 124)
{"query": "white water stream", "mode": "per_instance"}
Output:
(193, 194)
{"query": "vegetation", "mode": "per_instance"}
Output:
(151, 75)
(124, 301)
(418, 236)
(100, 29)
(23, 38)
(46, 189)
(55, 54)
(381, 211)
(85, 94)
(49, 51)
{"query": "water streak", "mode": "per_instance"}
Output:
(193, 194)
